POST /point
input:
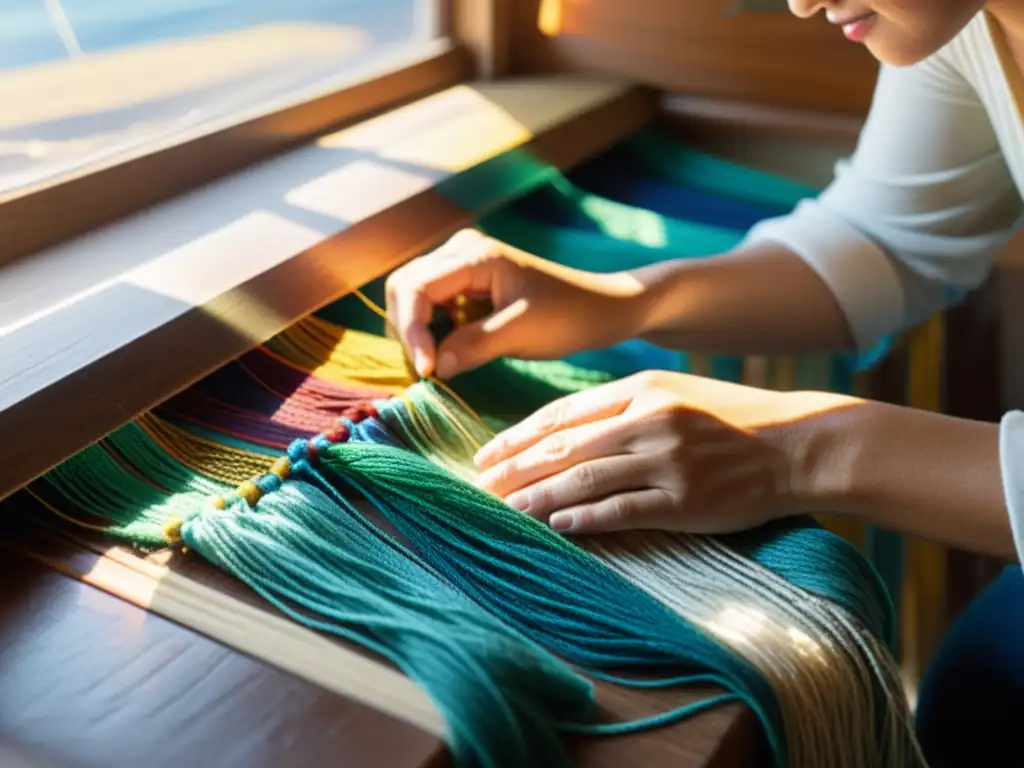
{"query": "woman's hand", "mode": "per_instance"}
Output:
(658, 450)
(541, 310)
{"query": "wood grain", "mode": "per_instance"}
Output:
(254, 631)
(98, 330)
(699, 49)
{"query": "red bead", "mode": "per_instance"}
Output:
(338, 435)
(312, 453)
(371, 412)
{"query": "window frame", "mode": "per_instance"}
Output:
(468, 47)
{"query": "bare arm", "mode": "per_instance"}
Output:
(913, 219)
(760, 299)
(908, 470)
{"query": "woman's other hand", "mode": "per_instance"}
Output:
(660, 450)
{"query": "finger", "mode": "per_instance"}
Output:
(480, 341)
(647, 508)
(434, 279)
(591, 405)
(584, 483)
(409, 313)
(464, 266)
(554, 454)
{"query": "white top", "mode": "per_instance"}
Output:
(916, 217)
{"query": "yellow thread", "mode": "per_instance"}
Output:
(66, 518)
(460, 314)
(424, 425)
(343, 355)
(443, 407)
(251, 492)
(172, 529)
(223, 463)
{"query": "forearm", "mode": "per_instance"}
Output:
(907, 470)
(761, 299)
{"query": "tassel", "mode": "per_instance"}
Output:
(304, 549)
(301, 546)
(537, 582)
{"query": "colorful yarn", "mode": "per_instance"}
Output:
(486, 608)
(426, 418)
(303, 548)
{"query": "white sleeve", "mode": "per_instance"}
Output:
(1011, 467)
(915, 218)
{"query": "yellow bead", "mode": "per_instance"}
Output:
(219, 503)
(281, 467)
(172, 529)
(251, 492)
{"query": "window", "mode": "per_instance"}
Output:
(110, 106)
(85, 81)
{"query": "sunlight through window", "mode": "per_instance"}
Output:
(85, 82)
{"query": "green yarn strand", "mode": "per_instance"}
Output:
(306, 554)
(538, 582)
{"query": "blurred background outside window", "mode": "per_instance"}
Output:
(89, 82)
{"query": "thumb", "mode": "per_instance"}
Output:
(480, 341)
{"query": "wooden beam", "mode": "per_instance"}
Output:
(699, 113)
(702, 49)
(482, 27)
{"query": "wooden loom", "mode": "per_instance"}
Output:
(291, 216)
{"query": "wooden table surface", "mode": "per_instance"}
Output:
(87, 679)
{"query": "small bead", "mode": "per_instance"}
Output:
(269, 483)
(172, 529)
(312, 454)
(219, 503)
(297, 450)
(281, 467)
(339, 434)
(371, 412)
(250, 492)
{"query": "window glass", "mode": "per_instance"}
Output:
(84, 82)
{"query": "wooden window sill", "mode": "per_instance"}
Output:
(98, 329)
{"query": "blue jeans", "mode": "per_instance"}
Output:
(971, 704)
